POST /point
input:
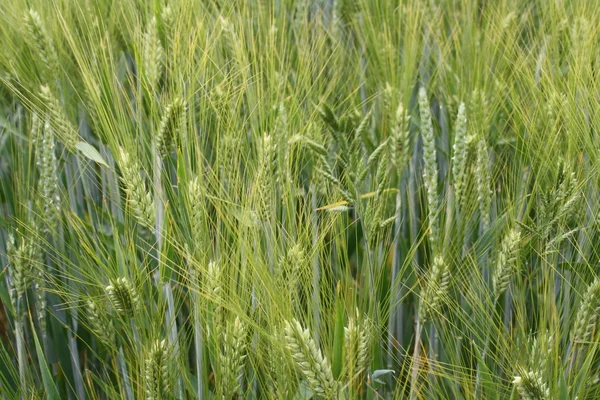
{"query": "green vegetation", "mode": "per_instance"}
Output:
(338, 199)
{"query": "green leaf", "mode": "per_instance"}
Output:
(89, 151)
(49, 386)
(304, 392)
(379, 374)
(564, 390)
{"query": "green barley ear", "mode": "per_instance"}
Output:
(530, 386)
(400, 139)
(291, 274)
(232, 358)
(153, 55)
(541, 352)
(308, 358)
(280, 377)
(213, 290)
(587, 315)
(39, 39)
(168, 20)
(482, 175)
(381, 179)
(123, 296)
(435, 290)
(140, 200)
(63, 129)
(506, 263)
(358, 335)
(20, 266)
(158, 380)
(48, 181)
(430, 171)
(229, 37)
(171, 125)
(460, 153)
(196, 201)
(100, 324)
(265, 175)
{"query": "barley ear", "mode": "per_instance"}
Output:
(153, 55)
(435, 290)
(48, 182)
(38, 38)
(158, 379)
(140, 200)
(123, 296)
(459, 156)
(100, 323)
(587, 315)
(171, 126)
(308, 358)
(531, 386)
(430, 171)
(358, 335)
(232, 358)
(506, 263)
(64, 130)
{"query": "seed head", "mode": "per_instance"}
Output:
(153, 55)
(358, 341)
(531, 386)
(157, 371)
(100, 323)
(123, 296)
(309, 360)
(587, 315)
(506, 263)
(437, 286)
(171, 126)
(42, 43)
(232, 358)
(57, 118)
(430, 171)
(21, 264)
(140, 200)
(459, 157)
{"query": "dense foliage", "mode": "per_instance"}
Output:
(340, 199)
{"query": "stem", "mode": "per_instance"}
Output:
(394, 328)
(416, 361)
(483, 356)
(21, 352)
(170, 315)
(316, 267)
(123, 366)
(199, 346)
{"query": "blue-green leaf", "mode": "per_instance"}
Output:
(88, 151)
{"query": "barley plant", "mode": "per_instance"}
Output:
(294, 199)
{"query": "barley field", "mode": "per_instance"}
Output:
(295, 199)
